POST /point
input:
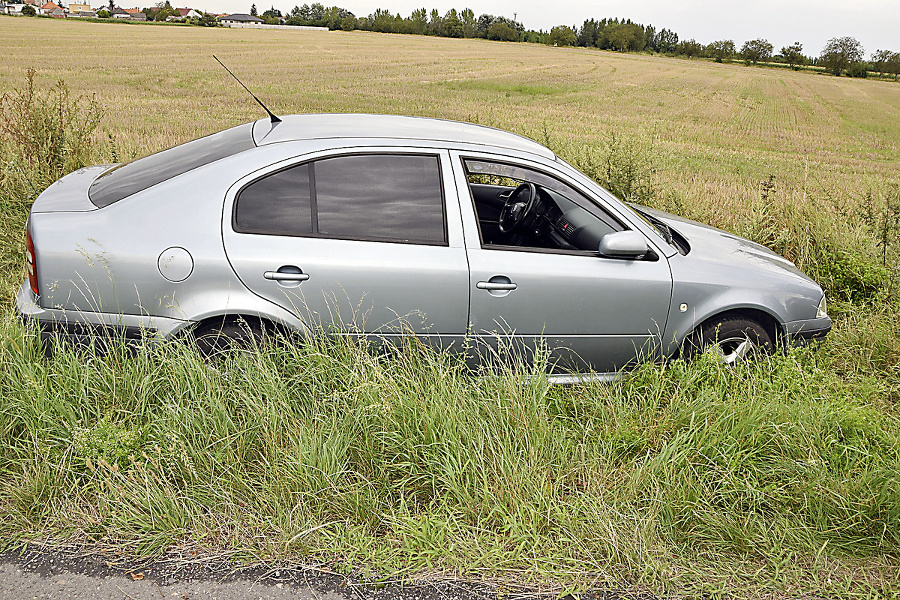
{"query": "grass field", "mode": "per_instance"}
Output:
(780, 479)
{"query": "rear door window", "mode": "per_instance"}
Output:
(378, 197)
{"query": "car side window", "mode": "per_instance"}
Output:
(522, 208)
(278, 204)
(379, 197)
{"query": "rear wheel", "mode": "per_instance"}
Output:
(731, 340)
(220, 338)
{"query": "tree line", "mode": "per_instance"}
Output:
(842, 55)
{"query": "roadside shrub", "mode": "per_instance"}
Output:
(48, 132)
(44, 134)
(623, 165)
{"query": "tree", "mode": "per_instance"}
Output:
(588, 34)
(453, 27)
(893, 65)
(103, 14)
(253, 11)
(666, 42)
(879, 60)
(625, 36)
(272, 16)
(28, 11)
(501, 31)
(689, 48)
(383, 21)
(418, 22)
(720, 50)
(793, 54)
(467, 17)
(561, 35)
(208, 20)
(756, 50)
(840, 53)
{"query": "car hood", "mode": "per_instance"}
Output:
(710, 243)
(69, 194)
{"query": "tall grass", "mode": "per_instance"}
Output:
(676, 477)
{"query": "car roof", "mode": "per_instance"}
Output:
(391, 127)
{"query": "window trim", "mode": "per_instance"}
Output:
(314, 204)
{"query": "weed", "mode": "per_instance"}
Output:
(52, 133)
(623, 165)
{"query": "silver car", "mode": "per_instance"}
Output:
(385, 226)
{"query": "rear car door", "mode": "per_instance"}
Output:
(367, 242)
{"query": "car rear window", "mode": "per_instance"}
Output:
(129, 178)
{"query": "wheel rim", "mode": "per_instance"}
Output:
(733, 350)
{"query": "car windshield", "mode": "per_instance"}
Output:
(129, 178)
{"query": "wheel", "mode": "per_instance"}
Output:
(218, 339)
(731, 339)
(517, 207)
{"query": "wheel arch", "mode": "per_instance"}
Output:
(770, 323)
(260, 321)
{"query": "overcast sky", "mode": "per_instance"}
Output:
(875, 23)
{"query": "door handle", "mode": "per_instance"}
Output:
(490, 285)
(281, 276)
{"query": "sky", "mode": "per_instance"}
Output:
(875, 23)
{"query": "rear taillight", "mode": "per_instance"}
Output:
(31, 263)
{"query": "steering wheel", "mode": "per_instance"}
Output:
(518, 206)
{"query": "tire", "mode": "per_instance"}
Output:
(732, 339)
(219, 339)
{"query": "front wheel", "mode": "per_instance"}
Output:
(731, 340)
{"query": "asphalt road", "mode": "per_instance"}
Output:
(36, 573)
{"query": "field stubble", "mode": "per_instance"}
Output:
(780, 479)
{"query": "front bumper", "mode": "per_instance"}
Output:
(806, 332)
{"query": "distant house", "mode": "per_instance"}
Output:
(136, 14)
(14, 8)
(74, 8)
(239, 18)
(48, 8)
(118, 13)
(189, 13)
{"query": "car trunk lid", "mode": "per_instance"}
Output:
(69, 194)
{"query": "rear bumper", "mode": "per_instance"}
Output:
(90, 328)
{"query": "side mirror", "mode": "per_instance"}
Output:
(623, 244)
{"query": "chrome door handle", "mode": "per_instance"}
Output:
(488, 285)
(279, 276)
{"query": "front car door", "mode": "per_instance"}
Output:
(547, 285)
(366, 242)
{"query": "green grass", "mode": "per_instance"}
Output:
(686, 477)
(778, 479)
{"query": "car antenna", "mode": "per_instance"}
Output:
(271, 114)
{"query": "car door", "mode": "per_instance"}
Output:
(363, 242)
(590, 312)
